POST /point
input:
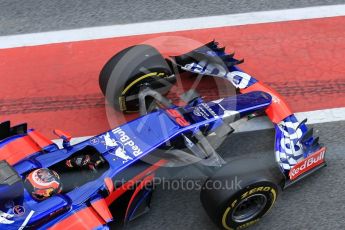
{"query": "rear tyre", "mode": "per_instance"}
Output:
(125, 73)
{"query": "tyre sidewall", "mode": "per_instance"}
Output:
(266, 188)
(127, 66)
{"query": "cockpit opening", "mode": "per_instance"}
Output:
(80, 168)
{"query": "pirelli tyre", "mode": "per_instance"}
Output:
(124, 74)
(239, 201)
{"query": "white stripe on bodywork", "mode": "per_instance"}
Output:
(26, 221)
(5, 218)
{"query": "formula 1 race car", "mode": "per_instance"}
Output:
(108, 178)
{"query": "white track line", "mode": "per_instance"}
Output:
(170, 25)
(261, 123)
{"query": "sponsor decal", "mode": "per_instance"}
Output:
(200, 112)
(207, 107)
(197, 112)
(18, 210)
(205, 111)
(127, 141)
(94, 141)
(108, 141)
(307, 164)
(120, 152)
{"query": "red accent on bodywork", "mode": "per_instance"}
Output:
(83, 219)
(308, 163)
(89, 218)
(102, 209)
(129, 184)
(39, 139)
(63, 134)
(145, 182)
(278, 110)
(20, 148)
(109, 184)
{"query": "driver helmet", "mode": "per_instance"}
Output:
(43, 183)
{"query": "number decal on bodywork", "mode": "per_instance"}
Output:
(177, 116)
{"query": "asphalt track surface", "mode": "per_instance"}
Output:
(318, 202)
(17, 16)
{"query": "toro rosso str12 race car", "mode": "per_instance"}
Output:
(107, 179)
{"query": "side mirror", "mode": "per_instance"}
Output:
(66, 137)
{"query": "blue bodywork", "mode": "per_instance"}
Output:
(136, 139)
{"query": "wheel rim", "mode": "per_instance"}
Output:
(129, 98)
(249, 208)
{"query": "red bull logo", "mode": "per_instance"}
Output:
(307, 164)
(127, 141)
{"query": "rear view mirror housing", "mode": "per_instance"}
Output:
(66, 137)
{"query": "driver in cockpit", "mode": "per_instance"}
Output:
(43, 183)
(85, 161)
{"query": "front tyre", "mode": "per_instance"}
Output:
(247, 206)
(240, 193)
(125, 73)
